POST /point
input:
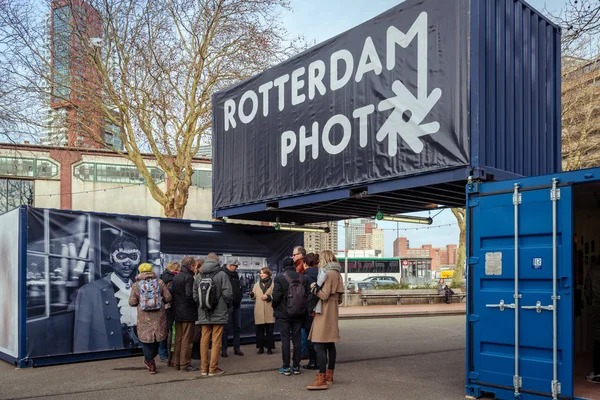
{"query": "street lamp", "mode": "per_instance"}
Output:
(346, 223)
(406, 218)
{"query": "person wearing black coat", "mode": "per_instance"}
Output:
(235, 315)
(289, 326)
(185, 311)
(311, 273)
(167, 277)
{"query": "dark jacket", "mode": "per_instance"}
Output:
(185, 308)
(220, 315)
(312, 274)
(280, 291)
(236, 287)
(97, 319)
(167, 276)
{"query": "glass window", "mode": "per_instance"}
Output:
(15, 193)
(114, 173)
(27, 167)
(202, 178)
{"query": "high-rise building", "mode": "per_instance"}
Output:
(319, 241)
(75, 92)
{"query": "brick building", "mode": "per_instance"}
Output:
(91, 180)
(439, 256)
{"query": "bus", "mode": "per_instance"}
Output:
(360, 268)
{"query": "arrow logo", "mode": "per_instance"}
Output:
(410, 111)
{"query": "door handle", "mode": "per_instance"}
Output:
(538, 307)
(502, 305)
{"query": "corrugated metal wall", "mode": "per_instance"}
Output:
(515, 89)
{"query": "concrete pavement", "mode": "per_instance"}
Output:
(415, 358)
(403, 310)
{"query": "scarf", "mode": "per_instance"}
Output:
(265, 284)
(321, 280)
(128, 313)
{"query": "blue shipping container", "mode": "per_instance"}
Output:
(531, 243)
(508, 122)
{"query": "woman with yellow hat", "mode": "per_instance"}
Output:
(150, 294)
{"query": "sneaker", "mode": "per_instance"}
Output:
(238, 352)
(296, 370)
(217, 371)
(224, 354)
(189, 368)
(591, 376)
(270, 352)
(285, 371)
(204, 373)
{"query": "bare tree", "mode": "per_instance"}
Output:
(580, 21)
(146, 68)
(460, 214)
(580, 113)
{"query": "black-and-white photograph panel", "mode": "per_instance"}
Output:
(9, 283)
(81, 267)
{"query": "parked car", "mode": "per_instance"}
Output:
(358, 287)
(382, 280)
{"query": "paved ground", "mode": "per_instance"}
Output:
(407, 358)
(404, 310)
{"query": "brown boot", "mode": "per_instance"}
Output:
(329, 376)
(152, 367)
(319, 384)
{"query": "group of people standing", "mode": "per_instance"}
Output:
(198, 302)
(201, 300)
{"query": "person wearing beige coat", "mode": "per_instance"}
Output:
(262, 294)
(325, 330)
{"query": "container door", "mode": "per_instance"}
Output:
(520, 304)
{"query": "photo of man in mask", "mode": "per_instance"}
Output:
(103, 318)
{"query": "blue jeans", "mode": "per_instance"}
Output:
(163, 349)
(304, 342)
(233, 325)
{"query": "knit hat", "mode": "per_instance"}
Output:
(145, 267)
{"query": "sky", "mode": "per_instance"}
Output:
(319, 20)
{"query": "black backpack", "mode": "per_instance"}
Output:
(208, 292)
(296, 297)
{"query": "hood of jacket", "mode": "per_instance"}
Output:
(167, 276)
(312, 274)
(210, 266)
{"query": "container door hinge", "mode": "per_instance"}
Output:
(473, 203)
(517, 199)
(517, 383)
(556, 387)
(473, 318)
(555, 194)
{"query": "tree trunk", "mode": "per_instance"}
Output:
(460, 214)
(176, 199)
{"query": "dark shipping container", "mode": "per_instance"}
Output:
(486, 79)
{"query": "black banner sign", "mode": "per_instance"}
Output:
(386, 99)
(81, 266)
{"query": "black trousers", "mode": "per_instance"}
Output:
(326, 355)
(264, 336)
(596, 357)
(291, 329)
(150, 350)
